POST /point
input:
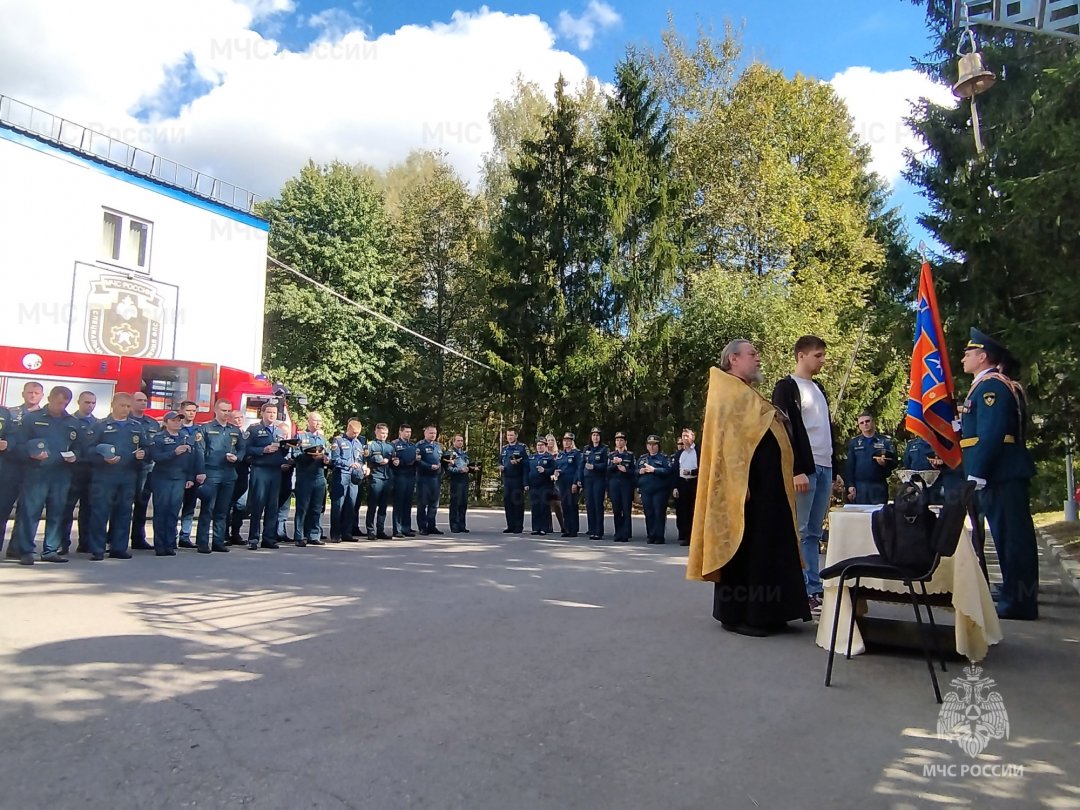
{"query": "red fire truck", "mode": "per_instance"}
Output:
(166, 383)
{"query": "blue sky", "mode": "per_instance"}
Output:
(249, 90)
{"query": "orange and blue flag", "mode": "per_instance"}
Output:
(931, 407)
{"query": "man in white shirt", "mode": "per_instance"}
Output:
(803, 400)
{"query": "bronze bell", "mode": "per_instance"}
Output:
(973, 77)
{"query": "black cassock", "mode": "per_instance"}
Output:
(762, 585)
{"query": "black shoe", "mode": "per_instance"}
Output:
(53, 558)
(571, 534)
(301, 543)
(224, 549)
(334, 540)
(204, 549)
(622, 540)
(371, 535)
(141, 545)
(161, 554)
(187, 544)
(97, 557)
(237, 540)
(464, 531)
(12, 554)
(63, 552)
(409, 533)
(508, 531)
(118, 555)
(660, 542)
(81, 549)
(383, 536)
(350, 539)
(25, 559)
(684, 542)
(542, 534)
(253, 546)
(435, 531)
(319, 542)
(534, 532)
(270, 544)
(397, 535)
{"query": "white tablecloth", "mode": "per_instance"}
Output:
(977, 625)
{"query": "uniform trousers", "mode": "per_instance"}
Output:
(595, 489)
(44, 489)
(621, 494)
(571, 516)
(427, 501)
(514, 503)
(215, 501)
(264, 486)
(168, 495)
(310, 493)
(113, 494)
(540, 516)
(459, 501)
(379, 492)
(404, 486)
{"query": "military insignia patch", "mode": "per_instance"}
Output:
(990, 398)
(198, 436)
(73, 435)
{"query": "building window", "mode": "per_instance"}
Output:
(125, 241)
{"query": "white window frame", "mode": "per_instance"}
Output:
(125, 225)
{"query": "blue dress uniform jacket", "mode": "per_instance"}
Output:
(344, 490)
(621, 485)
(45, 482)
(457, 472)
(404, 485)
(541, 469)
(655, 488)
(867, 476)
(993, 421)
(428, 477)
(215, 442)
(264, 482)
(311, 457)
(172, 473)
(513, 459)
(570, 465)
(594, 477)
(113, 485)
(381, 487)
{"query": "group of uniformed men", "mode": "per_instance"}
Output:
(550, 475)
(52, 461)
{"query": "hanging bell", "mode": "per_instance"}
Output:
(973, 76)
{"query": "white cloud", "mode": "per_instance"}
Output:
(597, 17)
(878, 103)
(347, 97)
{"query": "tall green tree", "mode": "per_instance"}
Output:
(1007, 217)
(329, 223)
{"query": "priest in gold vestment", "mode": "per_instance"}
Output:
(745, 539)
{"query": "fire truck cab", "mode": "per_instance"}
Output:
(166, 383)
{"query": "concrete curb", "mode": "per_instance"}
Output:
(1068, 564)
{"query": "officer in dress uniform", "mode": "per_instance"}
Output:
(266, 451)
(347, 473)
(993, 425)
(653, 471)
(311, 457)
(79, 492)
(191, 497)
(595, 477)
(541, 469)
(143, 488)
(512, 466)
(622, 477)
(870, 458)
(238, 508)
(177, 467)
(684, 484)
(457, 471)
(919, 456)
(428, 478)
(11, 473)
(380, 456)
(569, 467)
(222, 445)
(119, 453)
(404, 463)
(49, 441)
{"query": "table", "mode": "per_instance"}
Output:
(977, 624)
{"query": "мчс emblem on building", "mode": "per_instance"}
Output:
(124, 316)
(973, 716)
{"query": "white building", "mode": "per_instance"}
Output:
(110, 249)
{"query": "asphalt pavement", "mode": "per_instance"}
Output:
(486, 670)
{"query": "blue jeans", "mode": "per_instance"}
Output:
(811, 508)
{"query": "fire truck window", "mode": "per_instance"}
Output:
(204, 388)
(165, 387)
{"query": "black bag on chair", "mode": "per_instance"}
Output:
(904, 529)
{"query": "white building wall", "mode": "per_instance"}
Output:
(207, 267)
